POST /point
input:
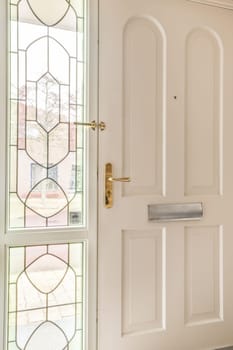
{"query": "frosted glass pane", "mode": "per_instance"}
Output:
(51, 12)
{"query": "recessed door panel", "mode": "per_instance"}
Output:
(144, 61)
(203, 113)
(203, 275)
(143, 251)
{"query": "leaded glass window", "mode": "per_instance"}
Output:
(46, 297)
(47, 99)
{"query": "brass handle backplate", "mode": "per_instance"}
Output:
(109, 179)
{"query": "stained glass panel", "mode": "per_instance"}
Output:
(47, 93)
(46, 298)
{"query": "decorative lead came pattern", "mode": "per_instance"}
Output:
(46, 296)
(47, 150)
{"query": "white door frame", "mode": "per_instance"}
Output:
(3, 108)
(89, 233)
(93, 114)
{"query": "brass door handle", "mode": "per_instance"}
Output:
(93, 125)
(119, 179)
(109, 179)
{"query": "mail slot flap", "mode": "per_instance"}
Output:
(175, 212)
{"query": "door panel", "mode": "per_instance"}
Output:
(203, 112)
(143, 113)
(149, 315)
(166, 80)
(203, 274)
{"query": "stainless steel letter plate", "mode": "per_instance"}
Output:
(175, 212)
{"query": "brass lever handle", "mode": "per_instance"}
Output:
(119, 179)
(109, 179)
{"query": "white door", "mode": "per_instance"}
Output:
(166, 87)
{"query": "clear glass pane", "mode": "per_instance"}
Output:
(13, 16)
(77, 342)
(16, 264)
(79, 7)
(13, 155)
(47, 155)
(81, 39)
(16, 211)
(46, 297)
(13, 130)
(11, 326)
(14, 75)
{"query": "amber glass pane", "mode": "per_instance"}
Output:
(47, 93)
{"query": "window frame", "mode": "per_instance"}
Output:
(19, 237)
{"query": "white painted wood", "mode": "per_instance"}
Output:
(140, 278)
(3, 108)
(145, 115)
(92, 114)
(192, 263)
(203, 122)
(203, 274)
(227, 4)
